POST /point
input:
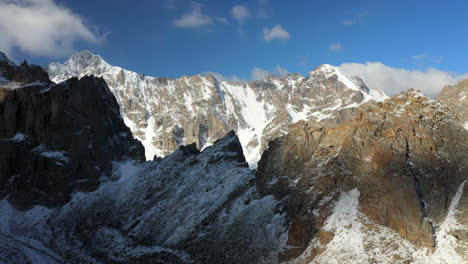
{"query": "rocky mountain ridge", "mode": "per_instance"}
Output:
(164, 113)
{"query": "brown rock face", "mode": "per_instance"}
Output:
(456, 98)
(58, 138)
(403, 155)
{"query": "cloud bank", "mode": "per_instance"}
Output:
(395, 80)
(42, 28)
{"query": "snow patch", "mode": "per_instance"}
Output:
(19, 85)
(50, 154)
(446, 243)
(330, 70)
(348, 243)
(296, 116)
(25, 248)
(19, 137)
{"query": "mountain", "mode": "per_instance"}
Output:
(57, 138)
(365, 188)
(164, 113)
(386, 184)
(456, 98)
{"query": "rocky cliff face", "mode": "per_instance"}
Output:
(164, 113)
(57, 138)
(456, 98)
(398, 164)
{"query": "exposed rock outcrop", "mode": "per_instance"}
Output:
(57, 138)
(406, 157)
(456, 98)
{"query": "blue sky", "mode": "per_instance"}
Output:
(182, 37)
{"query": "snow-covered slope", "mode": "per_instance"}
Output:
(164, 113)
(358, 239)
(189, 207)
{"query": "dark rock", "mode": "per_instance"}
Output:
(58, 138)
(189, 149)
(24, 73)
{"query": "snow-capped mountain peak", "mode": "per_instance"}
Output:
(327, 71)
(79, 64)
(164, 113)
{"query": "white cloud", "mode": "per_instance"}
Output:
(280, 70)
(335, 47)
(395, 80)
(196, 18)
(240, 12)
(258, 73)
(276, 32)
(41, 27)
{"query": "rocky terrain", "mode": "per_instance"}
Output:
(393, 172)
(383, 183)
(57, 138)
(189, 207)
(164, 113)
(456, 98)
